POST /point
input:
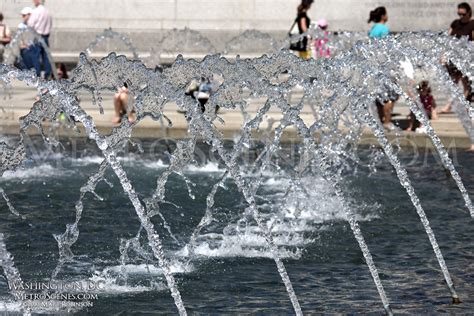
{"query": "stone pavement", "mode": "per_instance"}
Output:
(448, 127)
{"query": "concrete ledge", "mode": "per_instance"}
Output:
(154, 130)
(448, 127)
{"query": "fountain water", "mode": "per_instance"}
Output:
(194, 44)
(26, 36)
(185, 41)
(340, 93)
(251, 42)
(111, 35)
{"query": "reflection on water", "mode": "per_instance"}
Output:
(231, 270)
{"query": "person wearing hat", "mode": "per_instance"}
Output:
(29, 52)
(25, 15)
(321, 47)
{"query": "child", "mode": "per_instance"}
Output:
(321, 47)
(429, 105)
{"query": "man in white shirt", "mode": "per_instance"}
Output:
(41, 22)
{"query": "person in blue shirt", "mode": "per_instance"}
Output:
(380, 17)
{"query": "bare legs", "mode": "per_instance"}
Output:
(385, 114)
(467, 90)
(121, 106)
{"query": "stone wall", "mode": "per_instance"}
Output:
(77, 21)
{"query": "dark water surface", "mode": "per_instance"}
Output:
(231, 271)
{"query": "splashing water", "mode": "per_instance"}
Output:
(11, 273)
(111, 35)
(26, 37)
(252, 41)
(340, 93)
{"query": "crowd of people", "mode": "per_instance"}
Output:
(33, 52)
(34, 55)
(308, 47)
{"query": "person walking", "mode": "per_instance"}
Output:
(41, 21)
(385, 104)
(303, 22)
(5, 36)
(462, 27)
(380, 17)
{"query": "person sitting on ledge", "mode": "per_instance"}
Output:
(321, 45)
(29, 51)
(303, 22)
(385, 104)
(429, 105)
(121, 105)
(201, 91)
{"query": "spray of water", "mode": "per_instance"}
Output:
(111, 35)
(339, 92)
(26, 37)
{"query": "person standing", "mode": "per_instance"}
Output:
(62, 71)
(303, 22)
(29, 51)
(380, 17)
(464, 26)
(5, 36)
(41, 21)
(385, 104)
(321, 44)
